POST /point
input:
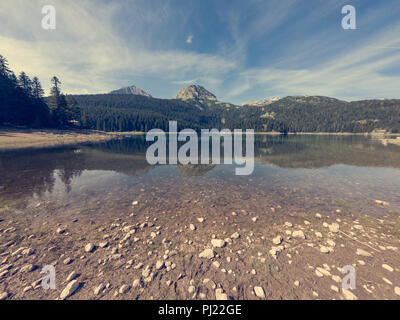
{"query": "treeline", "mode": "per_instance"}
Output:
(120, 112)
(22, 102)
(290, 114)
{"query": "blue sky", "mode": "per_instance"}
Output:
(239, 50)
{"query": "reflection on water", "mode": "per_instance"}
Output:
(298, 173)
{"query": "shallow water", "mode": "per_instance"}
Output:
(293, 174)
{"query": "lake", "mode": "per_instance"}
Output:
(298, 173)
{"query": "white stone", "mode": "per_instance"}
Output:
(387, 267)
(218, 243)
(69, 289)
(89, 247)
(277, 240)
(348, 295)
(207, 253)
(99, 289)
(220, 294)
(124, 289)
(72, 276)
(298, 234)
(259, 291)
(363, 253)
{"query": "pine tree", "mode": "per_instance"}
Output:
(38, 91)
(54, 93)
(25, 83)
(4, 69)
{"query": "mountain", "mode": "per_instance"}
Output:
(131, 90)
(309, 100)
(261, 103)
(195, 93)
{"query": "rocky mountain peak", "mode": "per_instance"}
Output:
(195, 92)
(131, 90)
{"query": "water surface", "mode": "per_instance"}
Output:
(293, 174)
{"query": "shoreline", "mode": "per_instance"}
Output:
(15, 139)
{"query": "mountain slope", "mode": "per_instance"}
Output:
(131, 90)
(195, 93)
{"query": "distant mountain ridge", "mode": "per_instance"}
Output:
(261, 103)
(131, 90)
(196, 107)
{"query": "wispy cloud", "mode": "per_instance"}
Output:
(241, 51)
(87, 53)
(189, 39)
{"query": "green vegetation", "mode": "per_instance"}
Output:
(22, 102)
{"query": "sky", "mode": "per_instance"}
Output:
(238, 50)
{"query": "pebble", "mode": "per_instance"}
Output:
(89, 247)
(387, 267)
(220, 294)
(277, 240)
(103, 244)
(60, 230)
(99, 289)
(207, 253)
(298, 234)
(72, 276)
(218, 243)
(160, 264)
(192, 227)
(334, 288)
(69, 289)
(191, 289)
(3, 295)
(27, 268)
(136, 283)
(235, 235)
(324, 249)
(334, 227)
(124, 289)
(397, 290)
(361, 252)
(259, 291)
(348, 295)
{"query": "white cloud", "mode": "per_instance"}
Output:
(355, 75)
(189, 39)
(87, 54)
